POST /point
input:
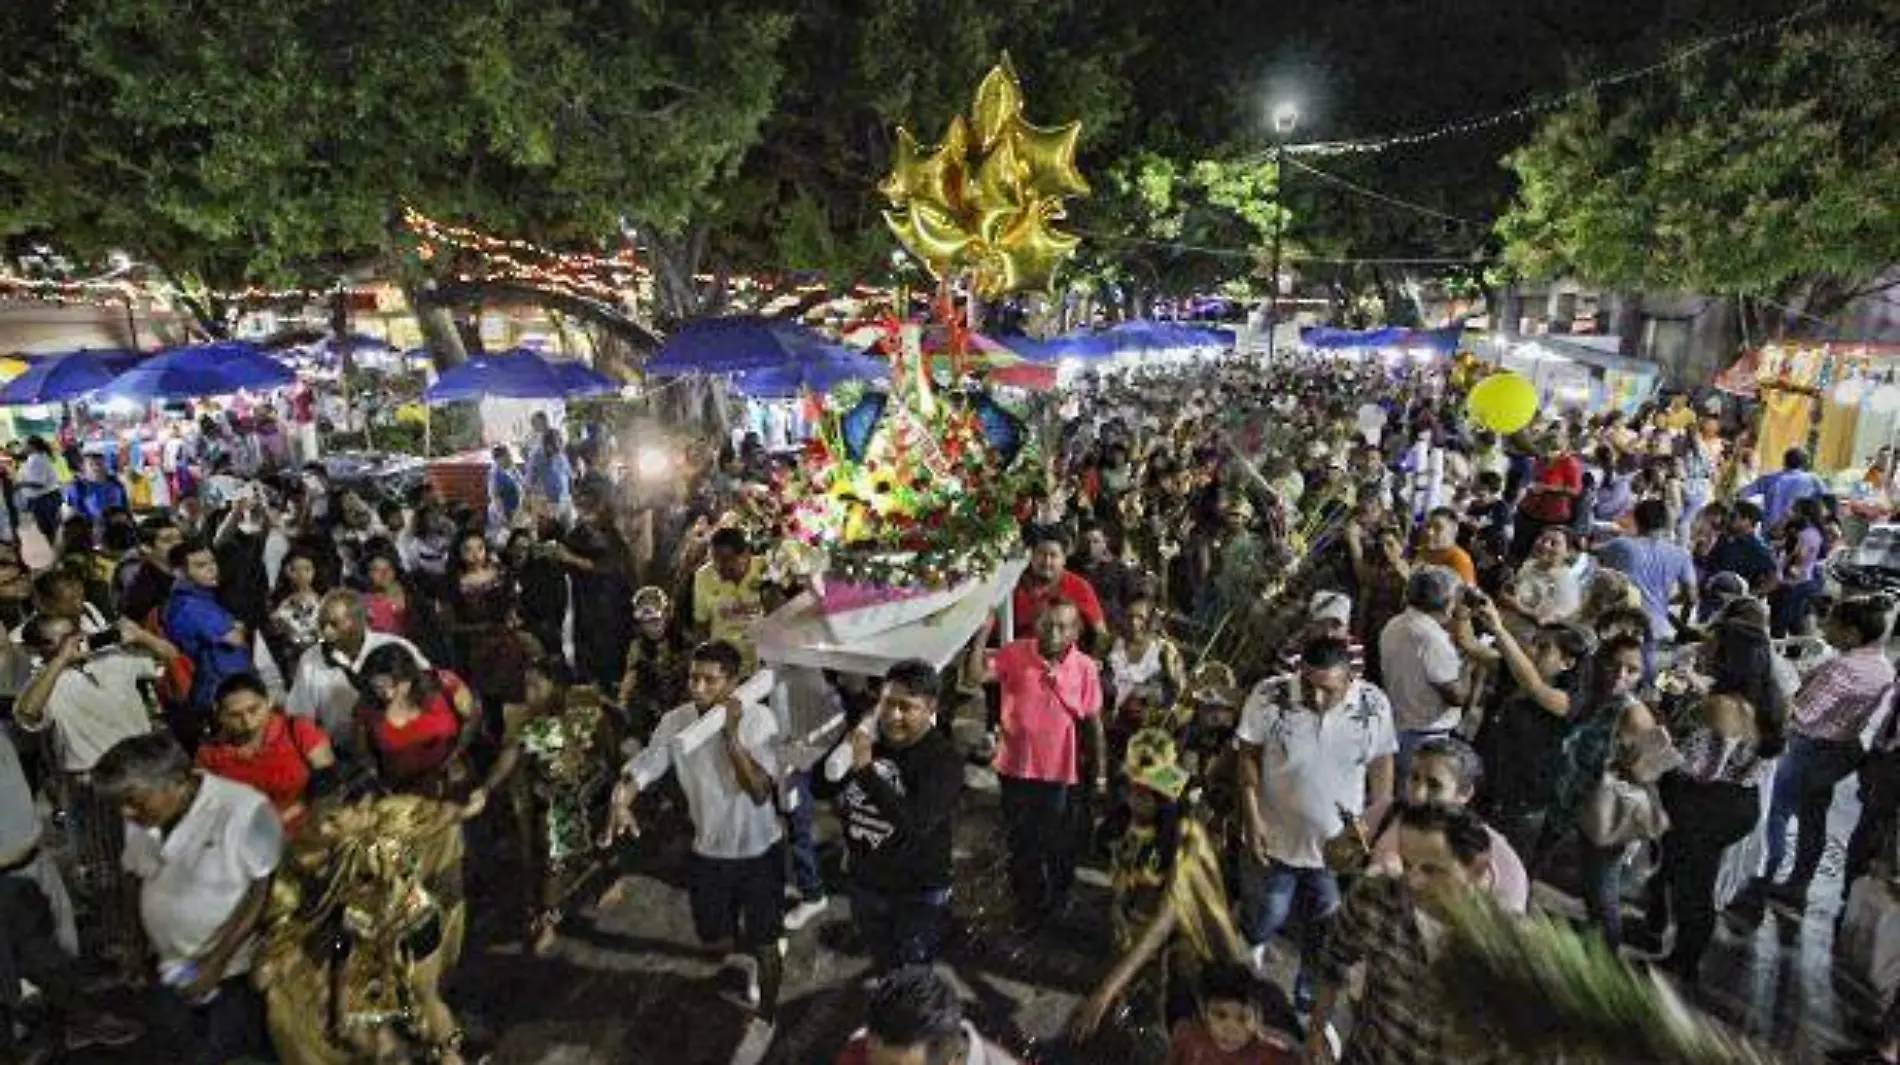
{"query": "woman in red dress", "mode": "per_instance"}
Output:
(416, 724)
(258, 744)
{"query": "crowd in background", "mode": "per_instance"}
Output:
(1299, 652)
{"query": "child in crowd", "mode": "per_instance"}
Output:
(1240, 1021)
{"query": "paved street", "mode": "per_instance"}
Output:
(629, 985)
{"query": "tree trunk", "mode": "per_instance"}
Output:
(438, 328)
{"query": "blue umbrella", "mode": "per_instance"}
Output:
(518, 374)
(585, 380)
(732, 345)
(815, 370)
(217, 369)
(1078, 345)
(1141, 337)
(58, 378)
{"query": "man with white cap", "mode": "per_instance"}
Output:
(1329, 616)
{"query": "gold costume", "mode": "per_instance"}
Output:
(365, 916)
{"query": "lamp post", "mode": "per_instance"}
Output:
(1286, 116)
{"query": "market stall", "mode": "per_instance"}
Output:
(1583, 372)
(1843, 399)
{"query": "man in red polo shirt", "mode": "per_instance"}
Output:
(1049, 580)
(1051, 718)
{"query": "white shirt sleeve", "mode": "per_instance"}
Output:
(257, 839)
(656, 758)
(1442, 664)
(1566, 597)
(758, 728)
(1256, 714)
(301, 699)
(1385, 731)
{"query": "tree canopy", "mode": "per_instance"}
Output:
(1770, 170)
(275, 140)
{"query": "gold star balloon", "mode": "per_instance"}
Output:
(983, 200)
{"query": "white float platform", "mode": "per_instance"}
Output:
(797, 634)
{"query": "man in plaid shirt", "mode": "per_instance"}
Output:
(1829, 714)
(1387, 925)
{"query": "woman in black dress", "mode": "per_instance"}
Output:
(481, 616)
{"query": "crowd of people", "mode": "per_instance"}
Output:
(1275, 669)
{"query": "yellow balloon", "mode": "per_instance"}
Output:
(1503, 403)
(997, 198)
(896, 184)
(935, 176)
(1048, 158)
(999, 100)
(1027, 256)
(939, 235)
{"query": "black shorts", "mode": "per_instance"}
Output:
(739, 899)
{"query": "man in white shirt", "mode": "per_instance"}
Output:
(722, 751)
(205, 849)
(1315, 747)
(324, 687)
(1419, 664)
(89, 692)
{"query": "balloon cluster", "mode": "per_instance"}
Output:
(987, 196)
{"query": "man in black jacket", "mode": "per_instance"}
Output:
(897, 798)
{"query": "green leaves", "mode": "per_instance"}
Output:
(1747, 172)
(274, 140)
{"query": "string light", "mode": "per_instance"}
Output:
(1537, 107)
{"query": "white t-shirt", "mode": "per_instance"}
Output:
(193, 878)
(1312, 764)
(96, 703)
(323, 690)
(1415, 655)
(726, 822)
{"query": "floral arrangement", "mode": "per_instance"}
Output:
(923, 497)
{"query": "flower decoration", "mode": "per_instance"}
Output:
(930, 502)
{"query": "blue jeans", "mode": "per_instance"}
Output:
(900, 930)
(1268, 894)
(803, 844)
(1804, 790)
(1602, 872)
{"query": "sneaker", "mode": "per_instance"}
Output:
(101, 1030)
(803, 913)
(754, 1043)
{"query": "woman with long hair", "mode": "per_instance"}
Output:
(481, 618)
(294, 604)
(1713, 800)
(1523, 737)
(416, 724)
(1600, 742)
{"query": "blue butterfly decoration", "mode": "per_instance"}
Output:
(860, 422)
(1004, 431)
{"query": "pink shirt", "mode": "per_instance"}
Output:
(1041, 704)
(1510, 884)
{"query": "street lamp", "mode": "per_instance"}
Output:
(1286, 116)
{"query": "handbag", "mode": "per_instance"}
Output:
(1619, 811)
